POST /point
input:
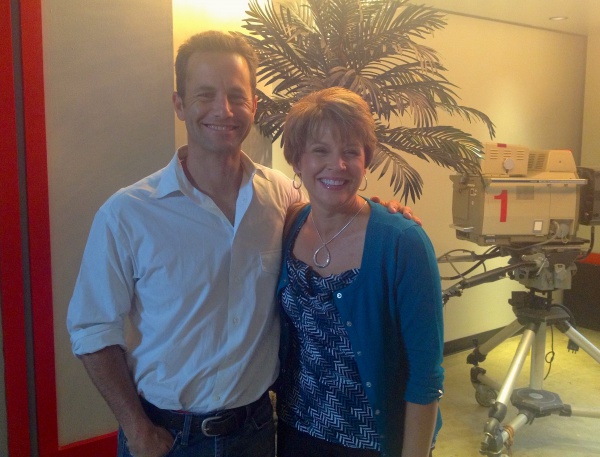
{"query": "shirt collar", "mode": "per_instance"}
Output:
(172, 178)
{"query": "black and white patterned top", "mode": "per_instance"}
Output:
(322, 394)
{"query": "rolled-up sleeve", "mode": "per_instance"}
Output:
(104, 289)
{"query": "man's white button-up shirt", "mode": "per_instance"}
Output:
(199, 292)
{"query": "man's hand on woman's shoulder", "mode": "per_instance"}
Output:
(394, 206)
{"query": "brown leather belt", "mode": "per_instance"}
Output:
(213, 424)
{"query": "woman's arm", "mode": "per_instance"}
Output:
(418, 429)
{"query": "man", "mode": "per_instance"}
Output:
(191, 254)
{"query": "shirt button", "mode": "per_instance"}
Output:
(368, 384)
(236, 320)
(359, 353)
(339, 295)
(217, 397)
(377, 413)
(348, 324)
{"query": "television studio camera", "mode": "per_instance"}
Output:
(526, 205)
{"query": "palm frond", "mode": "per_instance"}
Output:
(404, 179)
(444, 145)
(470, 114)
(374, 48)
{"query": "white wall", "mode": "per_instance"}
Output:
(530, 82)
(108, 83)
(591, 120)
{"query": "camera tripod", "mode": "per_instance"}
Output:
(534, 314)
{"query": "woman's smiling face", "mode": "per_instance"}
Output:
(332, 167)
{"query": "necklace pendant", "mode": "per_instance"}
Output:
(325, 243)
(327, 259)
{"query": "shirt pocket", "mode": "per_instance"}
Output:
(271, 261)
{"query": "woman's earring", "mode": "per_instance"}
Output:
(366, 184)
(297, 185)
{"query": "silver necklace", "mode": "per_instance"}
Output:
(325, 243)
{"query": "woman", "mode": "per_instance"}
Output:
(360, 290)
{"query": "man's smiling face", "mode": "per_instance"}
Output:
(219, 105)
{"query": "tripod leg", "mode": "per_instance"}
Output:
(493, 440)
(581, 341)
(482, 350)
(538, 360)
(517, 363)
(486, 388)
(580, 411)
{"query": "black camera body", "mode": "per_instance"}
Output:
(589, 199)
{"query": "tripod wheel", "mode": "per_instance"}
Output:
(485, 395)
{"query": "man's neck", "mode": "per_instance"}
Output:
(217, 175)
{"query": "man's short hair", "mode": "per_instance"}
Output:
(213, 41)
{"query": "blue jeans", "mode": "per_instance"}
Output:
(256, 438)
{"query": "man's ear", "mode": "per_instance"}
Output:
(178, 105)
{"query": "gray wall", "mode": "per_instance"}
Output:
(108, 81)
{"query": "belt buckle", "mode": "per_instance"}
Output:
(206, 422)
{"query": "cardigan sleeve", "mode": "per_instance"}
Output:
(419, 297)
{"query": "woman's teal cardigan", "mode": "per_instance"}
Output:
(393, 316)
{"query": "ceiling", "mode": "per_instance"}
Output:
(583, 15)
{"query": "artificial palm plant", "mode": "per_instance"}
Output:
(371, 47)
